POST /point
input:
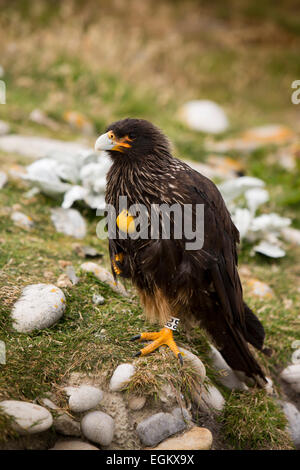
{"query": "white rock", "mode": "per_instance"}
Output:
(98, 427)
(235, 187)
(121, 376)
(269, 249)
(84, 398)
(291, 375)
(62, 422)
(269, 386)
(293, 417)
(212, 398)
(195, 362)
(242, 219)
(4, 128)
(40, 306)
(69, 221)
(73, 445)
(104, 276)
(22, 220)
(291, 235)
(256, 197)
(98, 299)
(204, 116)
(3, 179)
(28, 417)
(228, 377)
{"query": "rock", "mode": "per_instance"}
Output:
(28, 417)
(104, 276)
(293, 417)
(194, 439)
(291, 375)
(121, 376)
(22, 220)
(159, 426)
(259, 289)
(204, 116)
(69, 221)
(70, 271)
(40, 306)
(3, 179)
(38, 116)
(269, 249)
(63, 281)
(84, 398)
(167, 394)
(98, 299)
(136, 403)
(228, 377)
(269, 134)
(62, 422)
(234, 188)
(87, 251)
(195, 362)
(98, 427)
(291, 235)
(4, 128)
(73, 445)
(38, 147)
(2, 352)
(211, 399)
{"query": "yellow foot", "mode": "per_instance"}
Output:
(159, 338)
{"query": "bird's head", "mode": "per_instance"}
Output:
(134, 139)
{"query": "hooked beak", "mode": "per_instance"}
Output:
(108, 141)
(104, 143)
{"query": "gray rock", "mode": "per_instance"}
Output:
(73, 445)
(227, 377)
(291, 375)
(69, 221)
(70, 271)
(98, 427)
(84, 397)
(28, 418)
(98, 299)
(159, 426)
(40, 306)
(136, 403)
(62, 422)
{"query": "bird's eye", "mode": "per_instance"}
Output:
(131, 135)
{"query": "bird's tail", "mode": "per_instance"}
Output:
(232, 343)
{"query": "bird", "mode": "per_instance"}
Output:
(176, 284)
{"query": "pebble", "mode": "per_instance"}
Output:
(195, 362)
(3, 179)
(121, 376)
(84, 397)
(69, 221)
(40, 306)
(70, 271)
(209, 399)
(227, 376)
(73, 445)
(4, 128)
(98, 299)
(291, 375)
(194, 439)
(204, 116)
(63, 281)
(160, 426)
(22, 220)
(259, 289)
(98, 427)
(136, 403)
(293, 416)
(28, 417)
(104, 276)
(87, 251)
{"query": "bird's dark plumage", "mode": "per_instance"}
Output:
(171, 280)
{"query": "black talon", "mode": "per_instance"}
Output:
(180, 359)
(137, 354)
(134, 338)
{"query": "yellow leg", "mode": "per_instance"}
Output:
(159, 338)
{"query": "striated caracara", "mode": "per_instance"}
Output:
(176, 280)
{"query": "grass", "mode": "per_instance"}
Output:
(208, 51)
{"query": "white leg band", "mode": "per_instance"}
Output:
(172, 324)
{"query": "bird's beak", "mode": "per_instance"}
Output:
(108, 141)
(104, 142)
